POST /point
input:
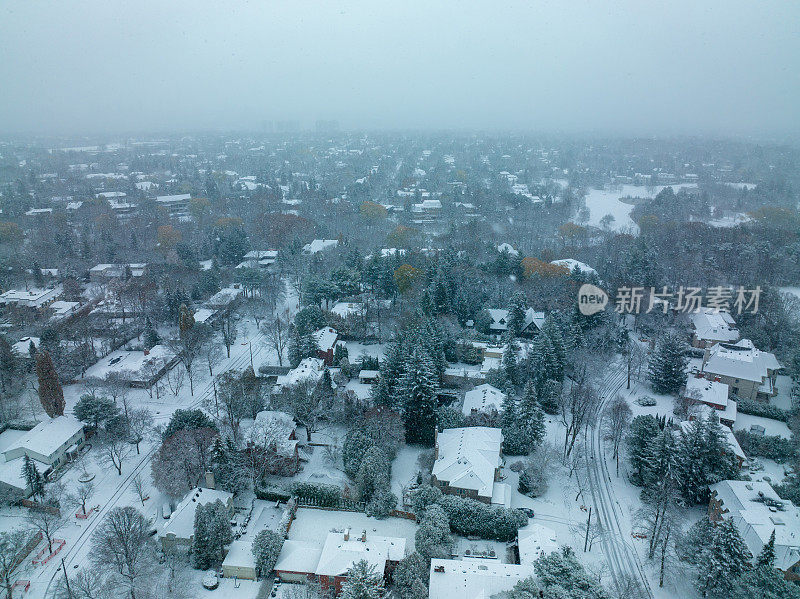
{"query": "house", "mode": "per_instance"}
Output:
(319, 245)
(368, 377)
(711, 393)
(274, 435)
(499, 321)
(337, 555)
(102, 273)
(176, 205)
(309, 370)
(704, 411)
(468, 462)
(535, 541)
(258, 259)
(51, 444)
(62, 310)
(224, 299)
(749, 373)
(140, 369)
(474, 579)
(710, 327)
(326, 339)
(179, 529)
(239, 561)
(205, 316)
(756, 510)
(31, 299)
(347, 309)
(22, 348)
(483, 398)
(573, 264)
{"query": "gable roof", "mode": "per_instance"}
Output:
(48, 436)
(740, 360)
(482, 398)
(710, 325)
(339, 555)
(467, 458)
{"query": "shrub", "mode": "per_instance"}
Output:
(381, 504)
(318, 493)
(469, 517)
(271, 494)
(765, 410)
(771, 447)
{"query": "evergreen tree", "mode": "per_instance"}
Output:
(516, 314)
(374, 473)
(392, 367)
(33, 479)
(721, 560)
(94, 410)
(201, 544)
(267, 546)
(767, 555)
(185, 320)
(509, 365)
(667, 367)
(410, 577)
(363, 582)
(531, 413)
(549, 394)
(704, 458)
(417, 391)
(643, 430)
(50, 393)
(433, 534)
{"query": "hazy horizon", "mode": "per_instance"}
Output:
(723, 69)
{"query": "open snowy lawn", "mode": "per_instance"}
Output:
(355, 349)
(405, 468)
(773, 427)
(607, 201)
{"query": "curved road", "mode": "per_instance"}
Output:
(622, 558)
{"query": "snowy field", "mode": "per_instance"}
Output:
(607, 201)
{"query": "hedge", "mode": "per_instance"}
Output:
(759, 408)
(771, 447)
(320, 494)
(469, 517)
(272, 494)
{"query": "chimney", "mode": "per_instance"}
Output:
(364, 536)
(210, 482)
(346, 534)
(147, 352)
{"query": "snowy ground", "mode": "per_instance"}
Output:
(607, 201)
(314, 525)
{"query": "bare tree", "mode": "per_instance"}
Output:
(181, 460)
(211, 353)
(577, 409)
(175, 377)
(11, 545)
(46, 519)
(277, 333)
(87, 583)
(114, 443)
(84, 493)
(188, 347)
(616, 418)
(139, 488)
(140, 423)
(117, 388)
(122, 543)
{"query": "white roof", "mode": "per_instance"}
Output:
(339, 555)
(468, 457)
(710, 392)
(23, 346)
(259, 254)
(483, 398)
(298, 556)
(272, 428)
(201, 315)
(11, 473)
(499, 319)
(308, 369)
(710, 325)
(240, 555)
(507, 247)
(740, 360)
(32, 297)
(319, 244)
(571, 264)
(326, 338)
(131, 365)
(534, 541)
(181, 522)
(223, 297)
(181, 197)
(47, 437)
(730, 438)
(755, 519)
(474, 579)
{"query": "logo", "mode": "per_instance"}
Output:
(591, 299)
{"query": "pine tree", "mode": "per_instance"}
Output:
(202, 544)
(643, 430)
(704, 458)
(509, 365)
(767, 555)
(266, 548)
(532, 414)
(185, 320)
(417, 391)
(363, 582)
(33, 479)
(391, 368)
(667, 367)
(721, 561)
(50, 393)
(516, 314)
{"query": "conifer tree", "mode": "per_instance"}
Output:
(33, 479)
(642, 431)
(50, 393)
(417, 390)
(667, 367)
(516, 314)
(363, 582)
(767, 555)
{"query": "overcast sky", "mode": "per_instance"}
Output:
(677, 67)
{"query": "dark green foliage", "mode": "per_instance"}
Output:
(760, 408)
(382, 503)
(188, 420)
(719, 555)
(667, 367)
(417, 390)
(267, 546)
(212, 532)
(319, 493)
(642, 432)
(764, 446)
(33, 479)
(95, 410)
(470, 517)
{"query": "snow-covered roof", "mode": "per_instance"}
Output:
(713, 393)
(30, 298)
(319, 244)
(508, 248)
(223, 297)
(534, 541)
(482, 399)
(740, 360)
(48, 436)
(326, 338)
(345, 309)
(756, 510)
(571, 264)
(339, 555)
(202, 315)
(474, 579)
(730, 438)
(240, 555)
(713, 326)
(23, 346)
(173, 199)
(467, 458)
(132, 366)
(309, 369)
(298, 556)
(181, 522)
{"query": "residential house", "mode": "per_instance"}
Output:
(326, 339)
(258, 259)
(179, 529)
(34, 299)
(710, 327)
(474, 579)
(468, 462)
(483, 398)
(704, 411)
(176, 205)
(319, 245)
(273, 436)
(309, 370)
(749, 372)
(700, 390)
(756, 510)
(139, 369)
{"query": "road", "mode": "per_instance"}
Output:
(621, 556)
(74, 553)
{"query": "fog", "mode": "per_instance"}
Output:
(679, 67)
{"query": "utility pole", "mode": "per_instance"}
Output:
(251, 355)
(588, 524)
(66, 578)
